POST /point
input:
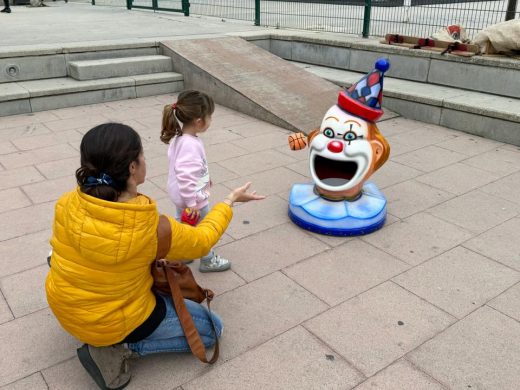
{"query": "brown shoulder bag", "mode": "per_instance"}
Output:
(176, 279)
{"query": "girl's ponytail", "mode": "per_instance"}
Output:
(170, 124)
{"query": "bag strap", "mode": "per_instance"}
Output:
(187, 324)
(164, 237)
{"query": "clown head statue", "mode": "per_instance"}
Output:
(344, 152)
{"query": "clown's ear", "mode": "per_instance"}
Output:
(312, 134)
(378, 149)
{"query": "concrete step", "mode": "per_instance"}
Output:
(39, 95)
(483, 114)
(119, 67)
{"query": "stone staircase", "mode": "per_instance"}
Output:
(46, 79)
(478, 95)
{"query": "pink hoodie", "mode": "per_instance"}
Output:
(188, 176)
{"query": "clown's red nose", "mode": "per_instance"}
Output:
(335, 146)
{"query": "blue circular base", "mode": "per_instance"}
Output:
(337, 218)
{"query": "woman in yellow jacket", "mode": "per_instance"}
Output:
(104, 241)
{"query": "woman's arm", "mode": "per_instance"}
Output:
(189, 242)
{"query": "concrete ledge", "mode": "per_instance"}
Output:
(119, 67)
(30, 68)
(40, 95)
(451, 107)
(499, 76)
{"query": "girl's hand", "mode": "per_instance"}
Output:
(240, 194)
(193, 213)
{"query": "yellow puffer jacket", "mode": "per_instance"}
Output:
(99, 283)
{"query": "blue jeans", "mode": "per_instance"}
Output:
(203, 212)
(169, 336)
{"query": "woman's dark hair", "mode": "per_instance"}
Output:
(107, 149)
(190, 105)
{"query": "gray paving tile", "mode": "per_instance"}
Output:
(251, 319)
(261, 254)
(393, 173)
(345, 271)
(270, 182)
(293, 360)
(500, 243)
(41, 141)
(429, 158)
(218, 282)
(458, 281)
(83, 122)
(421, 137)
(220, 174)
(19, 176)
(301, 167)
(37, 156)
(398, 126)
(262, 141)
(35, 249)
(256, 162)
(50, 190)
(254, 217)
(7, 147)
(366, 330)
(458, 178)
(216, 135)
(27, 220)
(296, 154)
(12, 199)
(401, 376)
(479, 352)
(470, 145)
(223, 151)
(418, 238)
(507, 302)
(25, 291)
(59, 168)
(20, 337)
(498, 160)
(475, 211)
(507, 188)
(411, 197)
(32, 382)
(5, 312)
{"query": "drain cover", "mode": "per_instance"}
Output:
(12, 70)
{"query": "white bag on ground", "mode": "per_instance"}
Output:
(505, 36)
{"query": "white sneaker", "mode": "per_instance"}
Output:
(215, 264)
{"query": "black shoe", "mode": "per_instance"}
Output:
(108, 366)
(6, 10)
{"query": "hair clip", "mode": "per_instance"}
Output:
(174, 106)
(104, 179)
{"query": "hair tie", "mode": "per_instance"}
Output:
(174, 106)
(104, 179)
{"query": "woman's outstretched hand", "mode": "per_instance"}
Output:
(240, 194)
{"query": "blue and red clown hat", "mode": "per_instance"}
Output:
(363, 99)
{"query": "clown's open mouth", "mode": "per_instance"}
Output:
(334, 172)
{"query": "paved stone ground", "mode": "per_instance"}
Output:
(431, 301)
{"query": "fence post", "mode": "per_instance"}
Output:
(366, 18)
(511, 9)
(186, 7)
(257, 12)
(128, 4)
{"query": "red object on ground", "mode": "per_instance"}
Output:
(185, 218)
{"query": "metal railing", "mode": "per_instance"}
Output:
(359, 17)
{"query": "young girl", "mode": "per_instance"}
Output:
(188, 177)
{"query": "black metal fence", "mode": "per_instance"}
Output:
(359, 17)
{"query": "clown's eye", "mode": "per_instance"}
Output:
(350, 136)
(328, 133)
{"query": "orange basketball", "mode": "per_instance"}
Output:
(297, 141)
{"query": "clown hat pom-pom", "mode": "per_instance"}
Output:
(382, 64)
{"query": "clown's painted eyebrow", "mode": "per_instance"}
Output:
(333, 117)
(351, 120)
